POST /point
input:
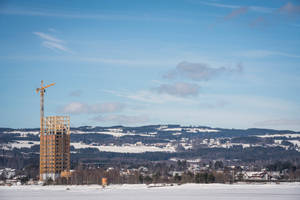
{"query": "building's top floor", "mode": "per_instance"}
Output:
(56, 125)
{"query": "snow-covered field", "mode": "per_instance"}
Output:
(22, 133)
(122, 149)
(295, 142)
(125, 149)
(288, 191)
(280, 135)
(19, 144)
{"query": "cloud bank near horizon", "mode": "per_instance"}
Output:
(278, 122)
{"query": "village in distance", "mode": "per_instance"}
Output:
(157, 154)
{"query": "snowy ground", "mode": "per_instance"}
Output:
(280, 135)
(142, 192)
(122, 149)
(125, 149)
(19, 144)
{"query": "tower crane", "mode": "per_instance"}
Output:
(42, 89)
(42, 136)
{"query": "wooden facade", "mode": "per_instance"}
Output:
(54, 147)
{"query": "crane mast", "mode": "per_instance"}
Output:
(42, 136)
(42, 90)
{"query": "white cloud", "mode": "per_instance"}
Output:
(278, 122)
(48, 37)
(55, 46)
(79, 108)
(52, 42)
(200, 71)
(52, 30)
(122, 119)
(76, 93)
(179, 89)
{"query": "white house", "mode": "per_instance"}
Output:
(256, 175)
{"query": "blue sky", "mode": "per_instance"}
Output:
(229, 64)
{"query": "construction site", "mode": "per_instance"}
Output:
(54, 143)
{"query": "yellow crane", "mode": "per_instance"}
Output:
(42, 136)
(42, 89)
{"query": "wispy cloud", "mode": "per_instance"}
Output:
(52, 30)
(239, 10)
(122, 119)
(72, 13)
(52, 42)
(48, 37)
(179, 89)
(254, 8)
(290, 10)
(79, 108)
(232, 14)
(200, 71)
(236, 12)
(259, 21)
(213, 105)
(76, 93)
(263, 53)
(145, 96)
(56, 46)
(220, 5)
(278, 122)
(61, 12)
(150, 97)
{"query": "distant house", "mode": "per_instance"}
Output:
(256, 175)
(194, 168)
(176, 172)
(138, 144)
(109, 169)
(17, 179)
(131, 170)
(143, 169)
(8, 172)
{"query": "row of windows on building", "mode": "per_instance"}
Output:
(53, 159)
(52, 167)
(64, 133)
(65, 155)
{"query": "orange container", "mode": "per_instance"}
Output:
(104, 182)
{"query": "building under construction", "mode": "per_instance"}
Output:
(54, 147)
(54, 142)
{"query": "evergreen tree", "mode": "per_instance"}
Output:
(141, 179)
(177, 177)
(24, 180)
(210, 178)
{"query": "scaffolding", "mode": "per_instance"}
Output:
(54, 147)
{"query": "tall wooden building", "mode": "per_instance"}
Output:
(54, 147)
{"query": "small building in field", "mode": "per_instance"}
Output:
(256, 175)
